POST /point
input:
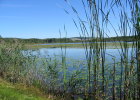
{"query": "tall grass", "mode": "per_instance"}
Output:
(11, 61)
(98, 24)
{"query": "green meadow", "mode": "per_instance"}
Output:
(9, 91)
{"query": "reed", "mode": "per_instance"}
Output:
(96, 24)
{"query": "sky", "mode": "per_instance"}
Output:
(34, 19)
(37, 18)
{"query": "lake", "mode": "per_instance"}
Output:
(79, 53)
(73, 69)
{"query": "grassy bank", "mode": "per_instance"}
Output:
(19, 73)
(9, 91)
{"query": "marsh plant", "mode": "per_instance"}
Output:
(123, 80)
(11, 61)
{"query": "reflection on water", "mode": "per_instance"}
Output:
(79, 53)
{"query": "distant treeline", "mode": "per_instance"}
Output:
(121, 38)
(33, 40)
(68, 40)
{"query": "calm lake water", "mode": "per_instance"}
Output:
(78, 56)
(79, 53)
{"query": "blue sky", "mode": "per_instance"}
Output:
(36, 18)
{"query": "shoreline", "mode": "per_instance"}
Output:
(109, 45)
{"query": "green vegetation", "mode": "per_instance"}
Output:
(18, 68)
(19, 92)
